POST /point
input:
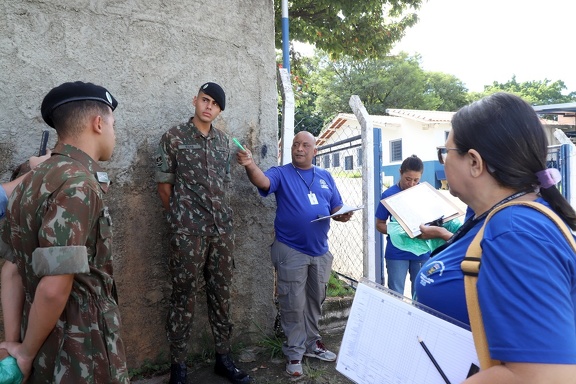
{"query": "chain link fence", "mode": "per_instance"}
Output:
(340, 152)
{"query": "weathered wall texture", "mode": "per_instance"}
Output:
(152, 55)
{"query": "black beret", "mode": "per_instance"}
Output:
(77, 91)
(216, 92)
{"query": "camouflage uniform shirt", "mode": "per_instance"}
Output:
(57, 224)
(199, 168)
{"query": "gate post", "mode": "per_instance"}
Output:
(370, 268)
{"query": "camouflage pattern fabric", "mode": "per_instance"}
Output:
(201, 222)
(192, 257)
(57, 223)
(199, 169)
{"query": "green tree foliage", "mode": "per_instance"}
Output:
(360, 29)
(536, 92)
(449, 92)
(306, 116)
(390, 82)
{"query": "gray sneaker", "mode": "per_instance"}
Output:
(294, 368)
(320, 352)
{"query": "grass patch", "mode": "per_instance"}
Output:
(312, 372)
(337, 287)
(353, 174)
(272, 344)
(150, 368)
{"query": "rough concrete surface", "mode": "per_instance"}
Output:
(153, 56)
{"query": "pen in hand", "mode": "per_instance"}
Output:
(433, 360)
(235, 140)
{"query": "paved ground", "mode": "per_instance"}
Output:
(265, 370)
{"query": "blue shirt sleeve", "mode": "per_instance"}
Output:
(382, 212)
(3, 202)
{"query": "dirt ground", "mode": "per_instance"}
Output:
(265, 370)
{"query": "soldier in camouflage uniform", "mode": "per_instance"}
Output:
(193, 176)
(59, 299)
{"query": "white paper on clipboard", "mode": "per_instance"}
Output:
(420, 204)
(380, 343)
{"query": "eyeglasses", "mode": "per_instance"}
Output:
(443, 152)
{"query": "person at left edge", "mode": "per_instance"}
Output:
(7, 188)
(57, 281)
(193, 177)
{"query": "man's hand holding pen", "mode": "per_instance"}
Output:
(244, 157)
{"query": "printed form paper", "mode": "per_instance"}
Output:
(380, 343)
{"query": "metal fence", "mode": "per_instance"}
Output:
(343, 158)
(558, 157)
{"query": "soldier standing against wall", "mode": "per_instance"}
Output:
(57, 280)
(193, 172)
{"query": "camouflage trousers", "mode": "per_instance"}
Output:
(192, 256)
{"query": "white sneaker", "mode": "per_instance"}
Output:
(320, 352)
(294, 368)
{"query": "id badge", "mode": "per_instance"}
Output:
(312, 198)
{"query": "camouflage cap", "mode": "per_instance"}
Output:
(77, 91)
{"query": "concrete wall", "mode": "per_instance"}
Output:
(152, 55)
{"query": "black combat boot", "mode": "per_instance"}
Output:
(178, 373)
(225, 367)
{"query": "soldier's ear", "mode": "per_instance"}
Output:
(96, 123)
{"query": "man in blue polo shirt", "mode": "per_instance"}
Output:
(300, 252)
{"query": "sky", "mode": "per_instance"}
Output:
(482, 41)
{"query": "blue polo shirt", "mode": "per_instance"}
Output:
(295, 210)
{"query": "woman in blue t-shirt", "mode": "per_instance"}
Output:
(496, 152)
(398, 261)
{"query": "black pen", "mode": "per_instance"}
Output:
(433, 360)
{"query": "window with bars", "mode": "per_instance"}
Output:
(349, 163)
(335, 159)
(326, 161)
(396, 150)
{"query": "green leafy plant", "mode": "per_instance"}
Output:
(337, 287)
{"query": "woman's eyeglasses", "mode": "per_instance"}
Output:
(443, 152)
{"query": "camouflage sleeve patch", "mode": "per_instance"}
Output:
(162, 177)
(6, 251)
(159, 161)
(163, 160)
(60, 260)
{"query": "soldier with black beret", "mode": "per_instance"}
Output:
(57, 281)
(193, 175)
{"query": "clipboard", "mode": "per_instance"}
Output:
(380, 342)
(420, 204)
(345, 209)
